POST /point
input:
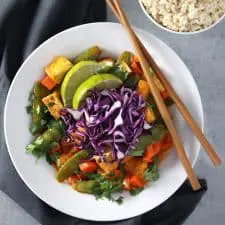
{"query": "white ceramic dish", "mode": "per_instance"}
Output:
(39, 176)
(176, 32)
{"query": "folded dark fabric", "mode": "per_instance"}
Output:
(24, 24)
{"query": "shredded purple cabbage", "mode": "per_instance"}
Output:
(108, 119)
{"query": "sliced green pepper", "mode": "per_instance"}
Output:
(72, 164)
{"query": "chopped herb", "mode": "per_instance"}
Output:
(53, 145)
(111, 174)
(136, 191)
(132, 81)
(150, 105)
(152, 173)
(34, 128)
(105, 187)
(31, 96)
(43, 122)
(119, 200)
(29, 109)
(119, 72)
(142, 144)
(136, 152)
(52, 158)
(158, 132)
(47, 140)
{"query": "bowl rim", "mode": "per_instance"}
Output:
(12, 86)
(187, 33)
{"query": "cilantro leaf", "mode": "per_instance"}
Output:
(158, 132)
(29, 109)
(136, 191)
(52, 158)
(119, 72)
(105, 187)
(142, 144)
(152, 173)
(119, 200)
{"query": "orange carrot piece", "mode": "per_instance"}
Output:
(126, 183)
(151, 151)
(135, 66)
(164, 94)
(136, 182)
(167, 142)
(88, 166)
(48, 82)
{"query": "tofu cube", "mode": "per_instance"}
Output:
(58, 68)
(54, 104)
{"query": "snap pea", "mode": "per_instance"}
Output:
(72, 164)
(39, 117)
(90, 54)
(40, 91)
(85, 186)
(47, 140)
(38, 109)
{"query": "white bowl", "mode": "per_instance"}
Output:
(177, 32)
(39, 176)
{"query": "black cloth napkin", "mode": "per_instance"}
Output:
(24, 24)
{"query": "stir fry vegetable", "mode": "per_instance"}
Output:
(102, 133)
(47, 140)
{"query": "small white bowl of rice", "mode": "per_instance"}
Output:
(184, 16)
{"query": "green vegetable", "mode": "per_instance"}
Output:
(40, 91)
(136, 191)
(38, 110)
(158, 132)
(125, 57)
(47, 140)
(119, 200)
(151, 103)
(121, 70)
(132, 81)
(169, 102)
(105, 187)
(72, 164)
(143, 143)
(90, 54)
(52, 158)
(85, 186)
(29, 109)
(39, 116)
(152, 173)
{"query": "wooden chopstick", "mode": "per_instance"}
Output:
(180, 105)
(159, 101)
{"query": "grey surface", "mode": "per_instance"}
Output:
(204, 54)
